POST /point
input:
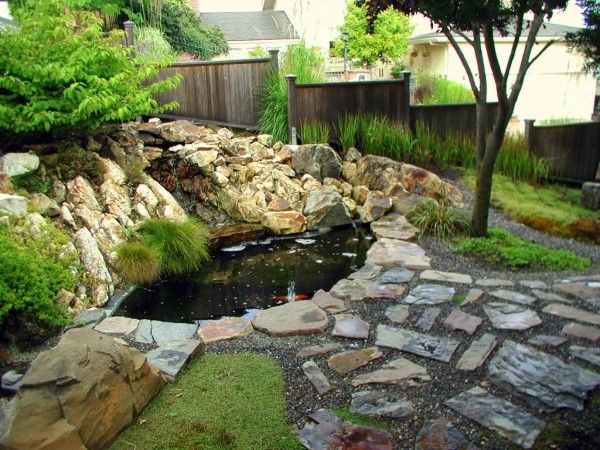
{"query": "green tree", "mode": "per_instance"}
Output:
(388, 39)
(59, 69)
(587, 41)
(476, 23)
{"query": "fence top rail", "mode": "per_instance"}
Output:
(446, 105)
(220, 62)
(567, 125)
(349, 83)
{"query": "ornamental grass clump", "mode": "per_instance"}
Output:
(137, 263)
(442, 220)
(315, 133)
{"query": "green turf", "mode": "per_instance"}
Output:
(218, 402)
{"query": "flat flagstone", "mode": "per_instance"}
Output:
(316, 377)
(357, 290)
(394, 252)
(543, 380)
(428, 318)
(400, 372)
(440, 434)
(533, 284)
(397, 313)
(429, 294)
(172, 357)
(589, 354)
(165, 332)
(581, 289)
(378, 404)
(433, 347)
(460, 320)
(512, 296)
(581, 331)
(549, 296)
(224, 329)
(448, 277)
(313, 350)
(143, 332)
(494, 282)
(506, 419)
(394, 226)
(296, 318)
(117, 325)
(472, 296)
(325, 431)
(508, 316)
(328, 302)
(366, 272)
(89, 316)
(569, 312)
(477, 353)
(397, 275)
(350, 326)
(346, 362)
(544, 340)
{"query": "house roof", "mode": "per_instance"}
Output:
(7, 23)
(252, 25)
(547, 31)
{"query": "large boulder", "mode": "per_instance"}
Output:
(320, 161)
(181, 131)
(79, 394)
(12, 205)
(421, 181)
(376, 172)
(19, 163)
(284, 222)
(325, 208)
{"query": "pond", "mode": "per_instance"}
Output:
(253, 275)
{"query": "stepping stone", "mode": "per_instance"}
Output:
(440, 434)
(506, 419)
(376, 404)
(541, 379)
(533, 284)
(507, 316)
(448, 277)
(397, 313)
(460, 320)
(366, 272)
(437, 348)
(393, 252)
(349, 326)
(328, 302)
(397, 275)
(296, 318)
(313, 350)
(327, 431)
(512, 296)
(143, 332)
(357, 290)
(428, 318)
(581, 331)
(429, 294)
(394, 226)
(172, 357)
(591, 355)
(493, 282)
(477, 353)
(117, 325)
(348, 361)
(316, 377)
(472, 296)
(89, 316)
(11, 381)
(582, 289)
(568, 312)
(549, 296)
(544, 340)
(165, 332)
(400, 372)
(225, 329)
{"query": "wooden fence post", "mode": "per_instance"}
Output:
(291, 110)
(406, 75)
(529, 132)
(130, 36)
(274, 58)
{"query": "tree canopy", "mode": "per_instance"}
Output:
(587, 41)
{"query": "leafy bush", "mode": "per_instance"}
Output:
(258, 52)
(138, 263)
(315, 133)
(441, 220)
(59, 69)
(397, 69)
(504, 248)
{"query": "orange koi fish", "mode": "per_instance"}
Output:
(296, 297)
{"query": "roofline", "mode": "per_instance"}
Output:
(441, 39)
(270, 40)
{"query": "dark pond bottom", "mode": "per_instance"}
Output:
(254, 275)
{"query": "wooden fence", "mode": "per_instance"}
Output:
(454, 119)
(573, 150)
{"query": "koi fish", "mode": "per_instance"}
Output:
(285, 297)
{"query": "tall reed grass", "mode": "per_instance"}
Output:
(315, 133)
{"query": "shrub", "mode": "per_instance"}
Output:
(181, 247)
(397, 69)
(152, 45)
(441, 220)
(446, 92)
(59, 69)
(504, 248)
(258, 52)
(315, 133)
(138, 263)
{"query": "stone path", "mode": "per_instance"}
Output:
(447, 322)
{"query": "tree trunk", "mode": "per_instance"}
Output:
(481, 128)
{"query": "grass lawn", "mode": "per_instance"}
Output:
(218, 402)
(551, 208)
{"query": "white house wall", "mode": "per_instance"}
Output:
(240, 49)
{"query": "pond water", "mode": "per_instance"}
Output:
(253, 275)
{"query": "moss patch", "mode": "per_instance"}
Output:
(218, 402)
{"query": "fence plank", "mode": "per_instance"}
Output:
(457, 119)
